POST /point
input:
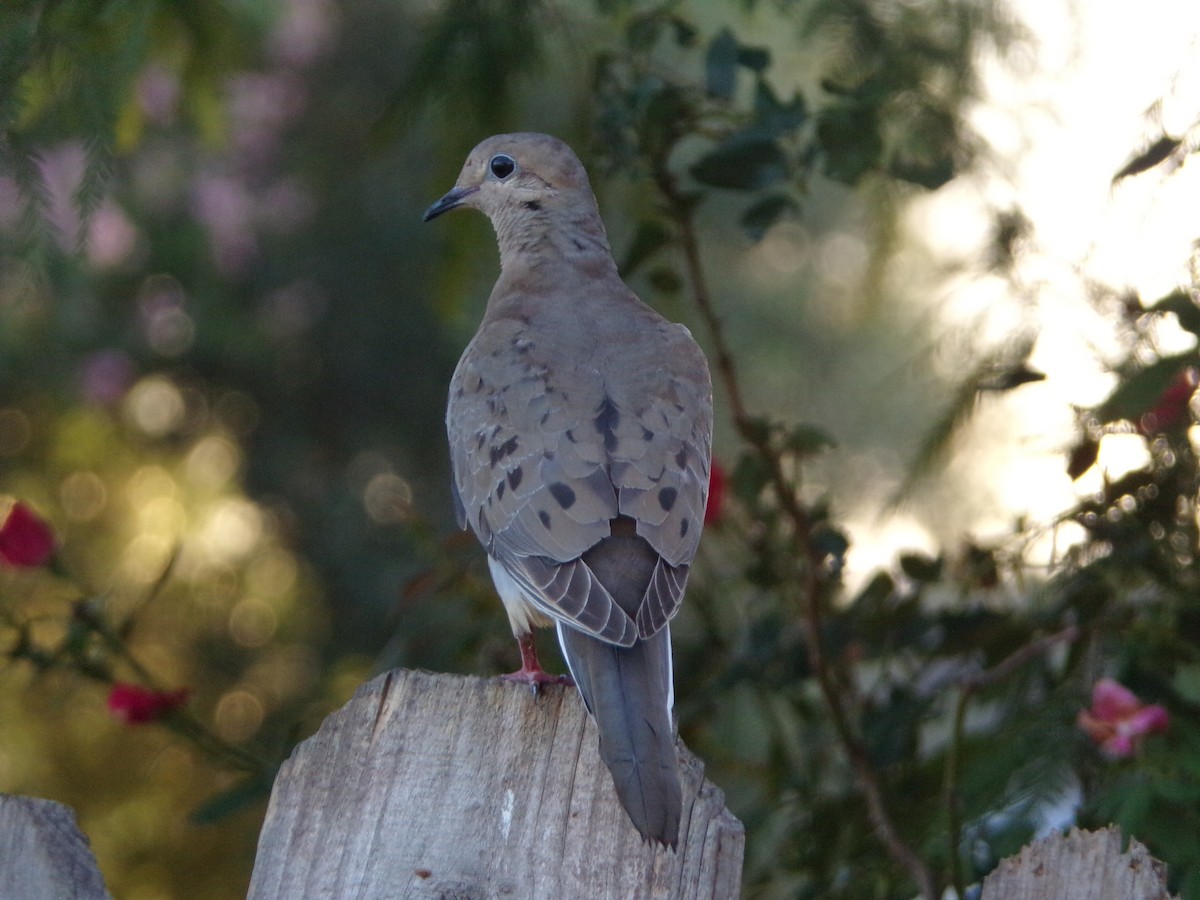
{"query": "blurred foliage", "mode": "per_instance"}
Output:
(224, 347)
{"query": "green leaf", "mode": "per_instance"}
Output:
(758, 429)
(664, 118)
(665, 280)
(848, 133)
(1141, 390)
(754, 58)
(642, 32)
(1186, 683)
(774, 117)
(720, 65)
(650, 237)
(930, 174)
(225, 803)
(922, 568)
(806, 440)
(1083, 457)
(758, 219)
(749, 477)
(876, 592)
(1184, 307)
(1157, 152)
(830, 542)
(742, 163)
(685, 32)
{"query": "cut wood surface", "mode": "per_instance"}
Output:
(43, 854)
(446, 786)
(1081, 865)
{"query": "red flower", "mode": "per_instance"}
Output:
(1118, 720)
(1171, 410)
(716, 494)
(136, 705)
(25, 540)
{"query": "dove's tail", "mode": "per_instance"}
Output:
(628, 692)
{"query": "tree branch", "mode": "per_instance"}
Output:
(812, 561)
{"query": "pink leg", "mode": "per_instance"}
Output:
(531, 671)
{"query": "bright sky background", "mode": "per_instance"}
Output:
(1063, 113)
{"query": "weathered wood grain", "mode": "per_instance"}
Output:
(43, 854)
(446, 786)
(1081, 865)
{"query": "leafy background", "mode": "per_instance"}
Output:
(225, 340)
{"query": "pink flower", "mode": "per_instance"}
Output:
(136, 705)
(1118, 720)
(25, 540)
(716, 494)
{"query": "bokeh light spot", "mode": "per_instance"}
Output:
(145, 557)
(164, 516)
(83, 495)
(165, 323)
(388, 499)
(213, 461)
(1120, 454)
(149, 483)
(272, 573)
(155, 406)
(239, 715)
(232, 529)
(252, 623)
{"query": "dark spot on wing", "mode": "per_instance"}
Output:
(563, 494)
(532, 204)
(499, 491)
(514, 477)
(508, 448)
(607, 419)
(545, 518)
(666, 498)
(647, 434)
(681, 458)
(683, 527)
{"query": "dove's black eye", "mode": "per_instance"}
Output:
(502, 165)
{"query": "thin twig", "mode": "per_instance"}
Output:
(968, 687)
(786, 496)
(978, 681)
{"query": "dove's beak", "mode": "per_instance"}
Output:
(452, 200)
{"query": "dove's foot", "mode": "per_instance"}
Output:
(531, 671)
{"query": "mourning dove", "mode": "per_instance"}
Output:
(580, 426)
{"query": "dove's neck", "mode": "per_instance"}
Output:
(537, 243)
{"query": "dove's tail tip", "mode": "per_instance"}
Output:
(656, 810)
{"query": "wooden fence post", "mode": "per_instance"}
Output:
(44, 854)
(445, 786)
(1081, 865)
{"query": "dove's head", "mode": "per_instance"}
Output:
(535, 190)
